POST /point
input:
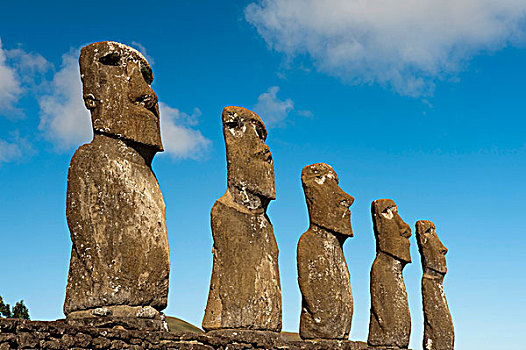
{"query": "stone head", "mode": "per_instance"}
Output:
(116, 89)
(392, 233)
(432, 251)
(249, 161)
(327, 203)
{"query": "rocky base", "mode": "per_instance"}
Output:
(119, 323)
(23, 334)
(120, 316)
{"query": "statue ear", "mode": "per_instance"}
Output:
(90, 101)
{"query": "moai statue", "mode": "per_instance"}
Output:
(390, 320)
(245, 291)
(120, 261)
(323, 276)
(438, 326)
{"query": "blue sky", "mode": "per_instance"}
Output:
(421, 102)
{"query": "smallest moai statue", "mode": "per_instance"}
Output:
(438, 326)
(323, 276)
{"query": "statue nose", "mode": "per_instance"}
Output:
(405, 229)
(140, 91)
(346, 199)
(263, 152)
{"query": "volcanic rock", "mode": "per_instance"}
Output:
(438, 325)
(390, 320)
(323, 276)
(245, 291)
(115, 210)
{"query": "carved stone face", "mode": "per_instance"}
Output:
(432, 251)
(392, 233)
(249, 162)
(116, 89)
(328, 204)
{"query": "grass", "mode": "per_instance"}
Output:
(289, 336)
(177, 325)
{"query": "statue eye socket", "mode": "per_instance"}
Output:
(111, 59)
(388, 213)
(431, 231)
(234, 124)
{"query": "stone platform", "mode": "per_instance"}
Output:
(23, 334)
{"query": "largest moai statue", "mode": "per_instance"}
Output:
(390, 320)
(115, 210)
(438, 325)
(323, 276)
(245, 290)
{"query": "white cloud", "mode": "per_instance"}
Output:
(179, 140)
(405, 44)
(10, 84)
(271, 109)
(30, 66)
(64, 119)
(14, 149)
(19, 72)
(9, 151)
(306, 114)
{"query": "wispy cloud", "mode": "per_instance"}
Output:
(14, 148)
(272, 109)
(10, 85)
(20, 72)
(407, 45)
(9, 151)
(179, 139)
(64, 119)
(31, 67)
(306, 114)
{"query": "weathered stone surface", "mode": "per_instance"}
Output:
(250, 170)
(28, 340)
(390, 320)
(106, 338)
(438, 325)
(323, 276)
(116, 89)
(114, 208)
(245, 291)
(133, 323)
